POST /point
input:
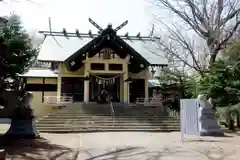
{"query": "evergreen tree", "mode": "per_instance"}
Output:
(16, 54)
(178, 82)
(222, 83)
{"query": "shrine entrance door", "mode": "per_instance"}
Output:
(110, 83)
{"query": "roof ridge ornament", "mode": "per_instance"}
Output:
(109, 25)
(95, 24)
(64, 32)
(121, 26)
(152, 32)
(77, 33)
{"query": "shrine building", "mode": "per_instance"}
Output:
(79, 65)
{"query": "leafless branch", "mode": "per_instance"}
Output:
(180, 50)
(208, 19)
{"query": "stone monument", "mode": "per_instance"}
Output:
(208, 125)
(22, 120)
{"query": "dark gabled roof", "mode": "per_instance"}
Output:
(107, 38)
(68, 47)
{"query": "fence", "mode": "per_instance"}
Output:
(149, 101)
(58, 99)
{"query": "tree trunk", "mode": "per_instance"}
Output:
(238, 120)
(231, 124)
(212, 59)
(230, 120)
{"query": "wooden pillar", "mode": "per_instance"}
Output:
(59, 81)
(125, 84)
(59, 86)
(146, 89)
(121, 88)
(43, 89)
(86, 91)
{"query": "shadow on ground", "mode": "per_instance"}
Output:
(42, 149)
(32, 149)
(140, 153)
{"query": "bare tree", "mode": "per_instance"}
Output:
(182, 51)
(215, 21)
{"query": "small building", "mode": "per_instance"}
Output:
(79, 65)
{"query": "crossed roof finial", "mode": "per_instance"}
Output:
(109, 25)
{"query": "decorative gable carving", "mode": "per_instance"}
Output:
(107, 53)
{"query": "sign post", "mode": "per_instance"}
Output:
(198, 118)
(189, 117)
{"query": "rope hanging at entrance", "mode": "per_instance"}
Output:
(102, 80)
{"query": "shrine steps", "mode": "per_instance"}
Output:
(76, 118)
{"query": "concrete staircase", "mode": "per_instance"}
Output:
(97, 118)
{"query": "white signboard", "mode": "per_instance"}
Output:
(189, 117)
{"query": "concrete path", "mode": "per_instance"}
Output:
(126, 146)
(133, 146)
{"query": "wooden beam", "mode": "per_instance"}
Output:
(43, 90)
(86, 35)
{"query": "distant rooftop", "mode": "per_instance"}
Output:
(39, 72)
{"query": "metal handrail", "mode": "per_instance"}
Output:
(111, 109)
(111, 106)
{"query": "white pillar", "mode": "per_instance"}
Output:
(59, 82)
(86, 91)
(59, 86)
(125, 84)
(125, 91)
(86, 83)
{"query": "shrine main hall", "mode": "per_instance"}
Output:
(80, 65)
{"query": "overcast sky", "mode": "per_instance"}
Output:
(72, 14)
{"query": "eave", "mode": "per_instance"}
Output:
(98, 43)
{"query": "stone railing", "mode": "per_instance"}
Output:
(58, 99)
(157, 102)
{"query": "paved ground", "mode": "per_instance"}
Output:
(127, 146)
(148, 146)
